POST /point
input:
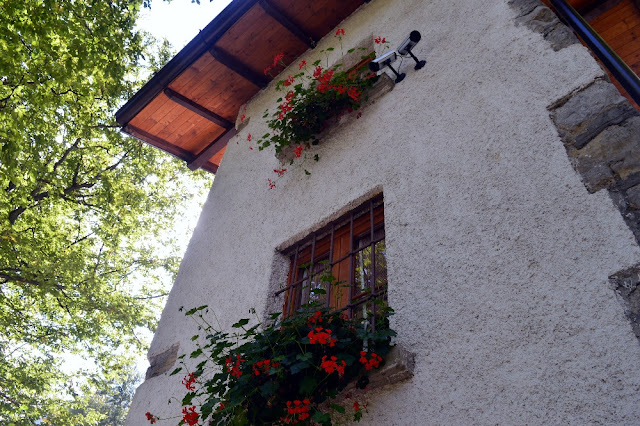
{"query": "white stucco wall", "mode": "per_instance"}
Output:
(498, 257)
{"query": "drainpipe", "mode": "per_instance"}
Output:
(620, 70)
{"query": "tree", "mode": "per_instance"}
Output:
(82, 206)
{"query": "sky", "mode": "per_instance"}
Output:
(179, 20)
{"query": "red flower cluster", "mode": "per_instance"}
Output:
(190, 416)
(354, 93)
(317, 317)
(302, 64)
(249, 137)
(289, 81)
(324, 80)
(339, 32)
(321, 336)
(152, 419)
(298, 151)
(277, 58)
(271, 184)
(380, 40)
(221, 406)
(263, 367)
(234, 367)
(331, 365)
(189, 381)
(373, 362)
(298, 411)
(285, 107)
(279, 172)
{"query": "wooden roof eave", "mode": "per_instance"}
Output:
(184, 59)
(158, 88)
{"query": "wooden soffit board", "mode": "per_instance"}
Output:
(189, 107)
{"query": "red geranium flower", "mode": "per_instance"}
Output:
(189, 381)
(371, 363)
(354, 93)
(289, 81)
(321, 336)
(190, 416)
(152, 419)
(339, 32)
(302, 64)
(277, 58)
(332, 364)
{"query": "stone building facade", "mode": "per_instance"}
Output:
(510, 174)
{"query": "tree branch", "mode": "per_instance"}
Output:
(8, 277)
(150, 297)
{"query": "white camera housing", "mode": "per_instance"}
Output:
(409, 43)
(383, 61)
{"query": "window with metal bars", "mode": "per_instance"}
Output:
(351, 249)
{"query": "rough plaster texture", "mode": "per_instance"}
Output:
(498, 256)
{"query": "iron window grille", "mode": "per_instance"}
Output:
(352, 249)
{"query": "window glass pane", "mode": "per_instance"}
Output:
(363, 272)
(315, 283)
(381, 265)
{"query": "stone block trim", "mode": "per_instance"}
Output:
(543, 20)
(582, 115)
(162, 362)
(601, 133)
(627, 286)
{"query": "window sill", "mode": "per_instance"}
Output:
(399, 366)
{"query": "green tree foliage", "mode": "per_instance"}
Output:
(82, 206)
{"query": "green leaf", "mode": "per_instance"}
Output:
(176, 371)
(188, 398)
(307, 356)
(321, 418)
(241, 323)
(307, 385)
(268, 389)
(196, 353)
(339, 408)
(298, 366)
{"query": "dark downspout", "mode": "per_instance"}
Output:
(620, 70)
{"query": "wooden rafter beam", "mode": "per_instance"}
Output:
(197, 108)
(284, 20)
(159, 142)
(211, 150)
(238, 67)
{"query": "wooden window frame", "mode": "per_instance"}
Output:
(334, 246)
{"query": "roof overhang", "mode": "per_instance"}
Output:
(189, 107)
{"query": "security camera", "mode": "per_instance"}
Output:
(383, 61)
(386, 60)
(407, 46)
(409, 43)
